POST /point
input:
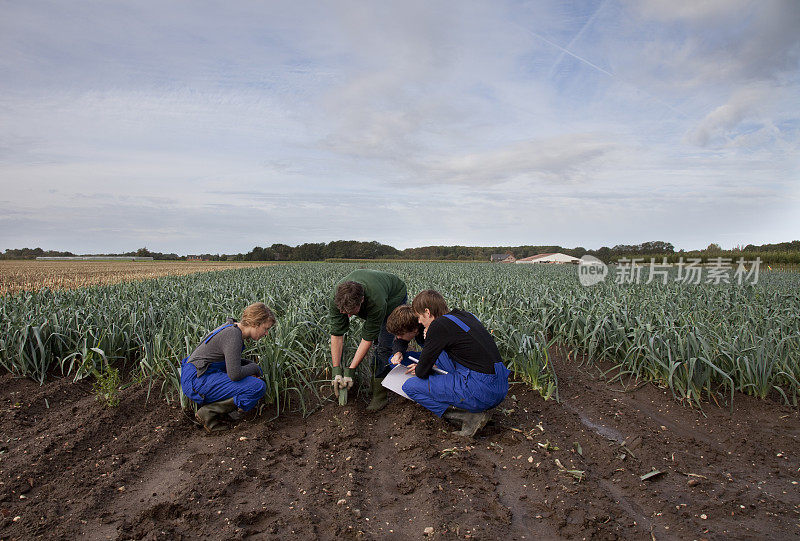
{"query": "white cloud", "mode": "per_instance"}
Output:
(558, 159)
(720, 124)
(718, 41)
(690, 10)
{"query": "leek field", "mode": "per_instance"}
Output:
(703, 342)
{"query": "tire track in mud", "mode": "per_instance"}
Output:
(705, 477)
(621, 455)
(627, 506)
(72, 462)
(541, 495)
(524, 524)
(160, 484)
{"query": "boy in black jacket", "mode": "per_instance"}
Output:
(476, 378)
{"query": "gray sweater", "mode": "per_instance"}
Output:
(226, 346)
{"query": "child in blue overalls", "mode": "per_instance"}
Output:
(217, 378)
(476, 379)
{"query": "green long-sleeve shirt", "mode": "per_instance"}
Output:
(383, 292)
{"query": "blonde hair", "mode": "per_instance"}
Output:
(256, 315)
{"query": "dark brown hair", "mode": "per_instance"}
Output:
(432, 300)
(257, 314)
(349, 296)
(402, 320)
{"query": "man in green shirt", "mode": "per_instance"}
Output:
(370, 295)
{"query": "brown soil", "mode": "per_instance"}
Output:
(70, 468)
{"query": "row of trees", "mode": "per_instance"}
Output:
(33, 253)
(780, 253)
(484, 253)
(793, 246)
(340, 249)
(783, 253)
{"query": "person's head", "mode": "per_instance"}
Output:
(403, 323)
(348, 298)
(428, 305)
(256, 321)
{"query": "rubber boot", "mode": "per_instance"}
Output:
(470, 422)
(210, 413)
(454, 416)
(240, 415)
(380, 395)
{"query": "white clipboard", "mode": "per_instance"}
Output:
(395, 379)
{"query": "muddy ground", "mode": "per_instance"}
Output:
(71, 468)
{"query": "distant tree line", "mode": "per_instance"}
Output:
(793, 246)
(351, 249)
(340, 249)
(779, 253)
(782, 253)
(33, 253)
(144, 252)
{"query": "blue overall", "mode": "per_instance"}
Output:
(461, 387)
(215, 385)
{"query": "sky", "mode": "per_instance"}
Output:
(214, 126)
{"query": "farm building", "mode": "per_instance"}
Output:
(550, 258)
(502, 258)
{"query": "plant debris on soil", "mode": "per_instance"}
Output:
(580, 468)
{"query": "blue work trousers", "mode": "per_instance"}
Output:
(215, 385)
(460, 387)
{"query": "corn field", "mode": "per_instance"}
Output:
(30, 275)
(703, 342)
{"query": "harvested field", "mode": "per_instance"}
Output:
(31, 275)
(70, 468)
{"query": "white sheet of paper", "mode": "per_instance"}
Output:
(395, 379)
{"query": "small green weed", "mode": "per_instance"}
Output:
(106, 386)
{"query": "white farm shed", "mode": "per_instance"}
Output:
(550, 258)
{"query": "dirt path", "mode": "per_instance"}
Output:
(70, 468)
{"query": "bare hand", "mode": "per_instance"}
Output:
(411, 369)
(396, 358)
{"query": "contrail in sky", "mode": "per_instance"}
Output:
(563, 50)
(588, 22)
(601, 70)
